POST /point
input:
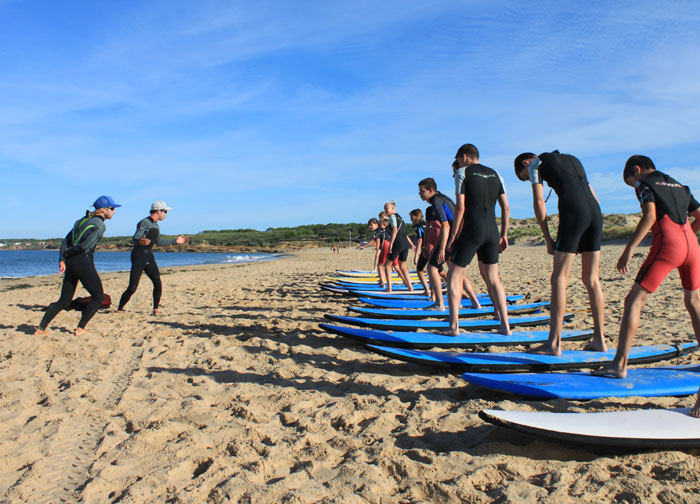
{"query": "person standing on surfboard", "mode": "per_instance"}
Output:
(142, 259)
(666, 205)
(580, 232)
(398, 247)
(420, 258)
(475, 232)
(76, 259)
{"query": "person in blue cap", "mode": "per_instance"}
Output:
(142, 259)
(76, 260)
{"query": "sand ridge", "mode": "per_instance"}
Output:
(234, 394)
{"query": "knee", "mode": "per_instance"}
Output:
(591, 281)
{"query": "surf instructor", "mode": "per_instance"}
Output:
(142, 259)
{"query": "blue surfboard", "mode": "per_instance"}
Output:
(434, 340)
(521, 361)
(415, 296)
(643, 382)
(437, 325)
(395, 286)
(418, 304)
(464, 312)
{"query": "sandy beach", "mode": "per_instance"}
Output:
(234, 394)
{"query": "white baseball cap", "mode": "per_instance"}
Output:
(159, 205)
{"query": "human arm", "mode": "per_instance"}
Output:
(505, 221)
(540, 208)
(695, 225)
(418, 250)
(643, 227)
(458, 221)
(443, 238)
(88, 240)
(594, 194)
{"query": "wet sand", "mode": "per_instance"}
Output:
(234, 394)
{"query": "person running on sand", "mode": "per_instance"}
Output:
(76, 261)
(142, 259)
(477, 234)
(580, 232)
(398, 247)
(666, 205)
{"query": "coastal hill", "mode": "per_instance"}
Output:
(522, 231)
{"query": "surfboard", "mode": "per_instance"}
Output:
(521, 361)
(367, 273)
(638, 429)
(418, 304)
(397, 286)
(642, 382)
(438, 325)
(417, 295)
(464, 312)
(434, 340)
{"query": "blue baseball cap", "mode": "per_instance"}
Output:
(104, 202)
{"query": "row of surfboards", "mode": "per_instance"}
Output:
(400, 325)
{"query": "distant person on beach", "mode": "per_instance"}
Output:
(398, 247)
(420, 257)
(142, 259)
(580, 232)
(476, 233)
(76, 261)
(666, 205)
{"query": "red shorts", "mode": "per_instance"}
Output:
(673, 246)
(385, 252)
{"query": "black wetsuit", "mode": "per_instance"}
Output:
(482, 186)
(401, 245)
(580, 219)
(444, 210)
(77, 250)
(143, 260)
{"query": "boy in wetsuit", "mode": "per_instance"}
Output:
(373, 225)
(420, 259)
(580, 232)
(76, 259)
(398, 247)
(666, 205)
(142, 259)
(477, 234)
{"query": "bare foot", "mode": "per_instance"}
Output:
(436, 307)
(695, 412)
(155, 311)
(41, 332)
(611, 370)
(545, 349)
(593, 346)
(504, 329)
(79, 331)
(450, 332)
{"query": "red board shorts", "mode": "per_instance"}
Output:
(385, 252)
(673, 246)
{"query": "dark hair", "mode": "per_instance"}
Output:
(518, 162)
(637, 160)
(372, 221)
(470, 150)
(428, 183)
(416, 213)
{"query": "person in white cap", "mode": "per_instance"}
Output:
(142, 259)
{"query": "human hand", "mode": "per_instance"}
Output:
(61, 266)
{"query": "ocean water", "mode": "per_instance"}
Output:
(23, 263)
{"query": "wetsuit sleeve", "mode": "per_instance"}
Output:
(644, 193)
(87, 242)
(165, 241)
(141, 229)
(65, 244)
(392, 221)
(693, 205)
(459, 179)
(502, 189)
(533, 171)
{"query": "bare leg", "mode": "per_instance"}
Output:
(454, 297)
(557, 309)
(436, 284)
(424, 283)
(489, 273)
(387, 274)
(590, 273)
(382, 275)
(692, 304)
(469, 291)
(634, 302)
(403, 273)
(695, 410)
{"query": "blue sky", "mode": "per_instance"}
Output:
(269, 114)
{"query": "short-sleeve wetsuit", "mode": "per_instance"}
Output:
(580, 219)
(443, 210)
(142, 259)
(401, 245)
(78, 250)
(674, 245)
(481, 186)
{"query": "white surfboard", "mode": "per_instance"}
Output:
(643, 428)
